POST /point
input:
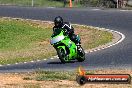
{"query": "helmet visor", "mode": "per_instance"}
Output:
(57, 24)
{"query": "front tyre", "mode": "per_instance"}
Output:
(62, 55)
(81, 54)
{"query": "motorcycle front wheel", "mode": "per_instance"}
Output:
(62, 55)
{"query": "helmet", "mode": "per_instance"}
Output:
(58, 21)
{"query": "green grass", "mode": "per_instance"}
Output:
(41, 75)
(22, 40)
(54, 75)
(36, 3)
(19, 35)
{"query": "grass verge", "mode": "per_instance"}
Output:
(54, 79)
(38, 3)
(46, 3)
(26, 40)
(41, 75)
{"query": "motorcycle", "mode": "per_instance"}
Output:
(66, 49)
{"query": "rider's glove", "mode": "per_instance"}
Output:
(66, 32)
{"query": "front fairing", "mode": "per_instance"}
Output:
(57, 38)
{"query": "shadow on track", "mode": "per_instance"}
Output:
(55, 62)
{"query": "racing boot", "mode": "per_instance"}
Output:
(78, 43)
(78, 46)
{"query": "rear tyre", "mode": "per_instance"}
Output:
(81, 54)
(62, 55)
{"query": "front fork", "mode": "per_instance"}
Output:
(66, 53)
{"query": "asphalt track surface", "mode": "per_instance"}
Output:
(118, 56)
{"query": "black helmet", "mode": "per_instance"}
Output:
(58, 21)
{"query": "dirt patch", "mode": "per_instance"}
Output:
(16, 81)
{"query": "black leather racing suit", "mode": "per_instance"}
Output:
(69, 31)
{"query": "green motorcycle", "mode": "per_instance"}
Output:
(66, 49)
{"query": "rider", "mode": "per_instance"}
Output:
(69, 30)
